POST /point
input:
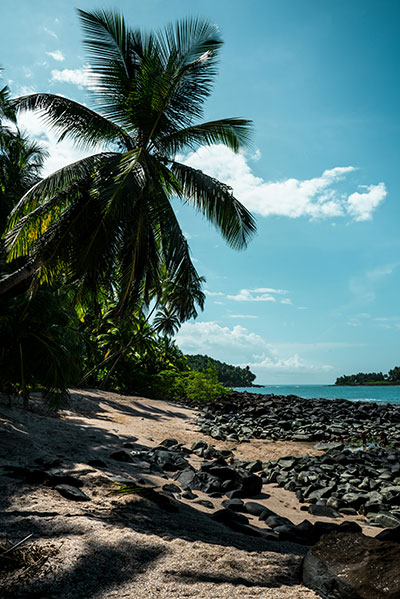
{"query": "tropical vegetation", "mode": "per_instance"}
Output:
(371, 378)
(95, 273)
(228, 375)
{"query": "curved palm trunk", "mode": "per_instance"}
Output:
(19, 276)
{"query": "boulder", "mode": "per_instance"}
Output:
(346, 565)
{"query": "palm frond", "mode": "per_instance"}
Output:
(216, 202)
(232, 132)
(72, 120)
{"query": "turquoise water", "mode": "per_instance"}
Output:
(379, 394)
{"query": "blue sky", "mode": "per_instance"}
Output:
(316, 294)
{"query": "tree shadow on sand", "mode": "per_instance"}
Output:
(35, 438)
(101, 568)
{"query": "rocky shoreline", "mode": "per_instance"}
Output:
(242, 416)
(343, 481)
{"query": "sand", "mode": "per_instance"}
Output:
(126, 546)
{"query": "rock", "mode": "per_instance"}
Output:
(199, 445)
(275, 521)
(235, 505)
(170, 461)
(72, 493)
(305, 527)
(186, 477)
(234, 494)
(350, 527)
(171, 488)
(354, 500)
(226, 516)
(287, 463)
(322, 510)
(189, 495)
(251, 485)
(121, 456)
(353, 566)
(334, 445)
(255, 466)
(386, 520)
(254, 508)
(205, 503)
(169, 443)
(389, 534)
(348, 511)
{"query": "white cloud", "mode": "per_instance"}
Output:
(262, 294)
(291, 364)
(362, 205)
(57, 55)
(238, 345)
(316, 198)
(286, 300)
(60, 154)
(84, 77)
(206, 336)
(213, 293)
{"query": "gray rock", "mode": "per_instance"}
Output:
(386, 520)
(205, 503)
(72, 493)
(236, 505)
(254, 508)
(121, 456)
(323, 510)
(353, 566)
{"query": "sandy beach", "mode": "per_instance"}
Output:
(134, 548)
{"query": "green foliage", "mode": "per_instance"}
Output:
(39, 350)
(371, 378)
(199, 387)
(228, 375)
(124, 354)
(107, 221)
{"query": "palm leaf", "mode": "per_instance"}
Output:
(233, 132)
(72, 120)
(217, 203)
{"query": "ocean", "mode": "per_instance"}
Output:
(379, 394)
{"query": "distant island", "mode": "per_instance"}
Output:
(228, 375)
(371, 378)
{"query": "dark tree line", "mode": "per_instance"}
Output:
(367, 378)
(228, 375)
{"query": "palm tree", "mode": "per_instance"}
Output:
(107, 221)
(21, 161)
